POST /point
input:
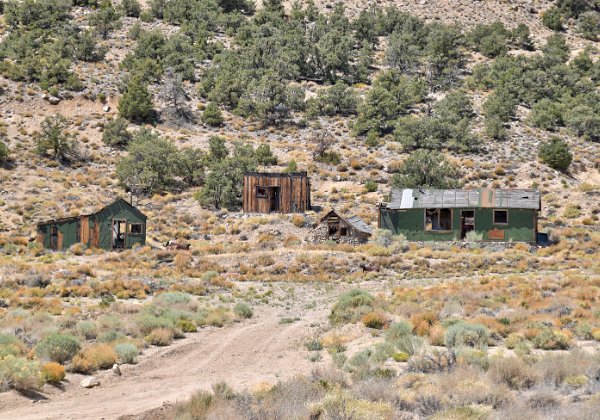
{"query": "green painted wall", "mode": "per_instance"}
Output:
(119, 210)
(68, 228)
(411, 224)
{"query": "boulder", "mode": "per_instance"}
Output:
(54, 100)
(90, 382)
(106, 108)
(116, 369)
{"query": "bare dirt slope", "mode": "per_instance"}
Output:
(244, 355)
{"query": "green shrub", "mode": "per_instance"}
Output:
(3, 153)
(131, 8)
(370, 186)
(401, 356)
(556, 154)
(548, 339)
(588, 25)
(87, 329)
(147, 322)
(426, 169)
(127, 352)
(243, 310)
(351, 306)
(398, 330)
(136, 103)
(552, 19)
(109, 336)
(314, 344)
(212, 115)
(463, 334)
(115, 133)
(173, 298)
(57, 347)
(410, 344)
(10, 346)
(546, 114)
(20, 373)
(53, 138)
(186, 325)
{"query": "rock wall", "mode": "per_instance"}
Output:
(321, 234)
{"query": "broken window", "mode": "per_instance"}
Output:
(333, 228)
(136, 229)
(261, 192)
(500, 217)
(343, 231)
(438, 219)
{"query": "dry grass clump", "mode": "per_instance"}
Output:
(93, 358)
(161, 337)
(53, 372)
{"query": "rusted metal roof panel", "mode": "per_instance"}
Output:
(492, 198)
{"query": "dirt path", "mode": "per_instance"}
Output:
(244, 355)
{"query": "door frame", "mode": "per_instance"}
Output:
(112, 233)
(463, 231)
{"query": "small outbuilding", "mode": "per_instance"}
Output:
(116, 226)
(335, 227)
(276, 192)
(450, 215)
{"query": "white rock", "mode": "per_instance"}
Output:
(106, 108)
(116, 369)
(90, 382)
(54, 100)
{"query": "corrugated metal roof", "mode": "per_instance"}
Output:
(359, 224)
(488, 198)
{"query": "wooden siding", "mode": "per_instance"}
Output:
(292, 196)
(84, 229)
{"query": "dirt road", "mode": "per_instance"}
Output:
(243, 354)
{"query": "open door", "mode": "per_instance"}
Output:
(54, 237)
(119, 231)
(467, 222)
(273, 199)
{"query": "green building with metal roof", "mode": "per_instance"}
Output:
(505, 215)
(118, 225)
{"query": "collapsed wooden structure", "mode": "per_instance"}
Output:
(335, 227)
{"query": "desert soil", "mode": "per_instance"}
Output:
(246, 355)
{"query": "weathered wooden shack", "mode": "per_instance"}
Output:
(276, 192)
(334, 227)
(449, 215)
(118, 225)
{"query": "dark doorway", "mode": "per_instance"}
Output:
(118, 231)
(53, 237)
(273, 199)
(467, 222)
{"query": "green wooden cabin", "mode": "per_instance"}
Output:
(116, 226)
(508, 215)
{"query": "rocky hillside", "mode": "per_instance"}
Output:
(106, 47)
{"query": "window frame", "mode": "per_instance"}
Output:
(262, 195)
(439, 209)
(494, 217)
(131, 232)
